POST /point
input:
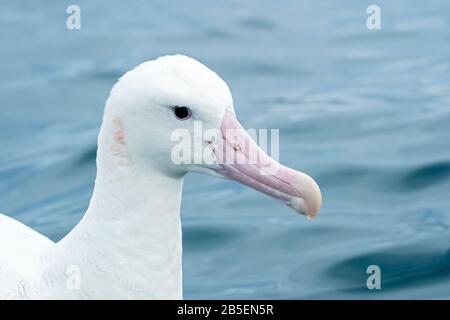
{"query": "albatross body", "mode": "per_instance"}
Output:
(128, 244)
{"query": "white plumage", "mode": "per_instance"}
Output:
(128, 244)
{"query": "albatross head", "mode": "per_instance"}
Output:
(174, 115)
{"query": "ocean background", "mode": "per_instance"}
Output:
(365, 112)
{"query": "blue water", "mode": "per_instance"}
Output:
(367, 113)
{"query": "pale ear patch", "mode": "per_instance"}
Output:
(118, 147)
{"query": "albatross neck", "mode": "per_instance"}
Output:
(132, 228)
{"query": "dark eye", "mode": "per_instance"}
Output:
(182, 113)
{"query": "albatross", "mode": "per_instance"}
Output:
(128, 244)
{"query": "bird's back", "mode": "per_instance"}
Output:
(21, 252)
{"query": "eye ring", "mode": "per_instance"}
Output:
(181, 113)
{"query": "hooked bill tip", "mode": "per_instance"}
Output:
(309, 200)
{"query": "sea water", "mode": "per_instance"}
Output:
(365, 112)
